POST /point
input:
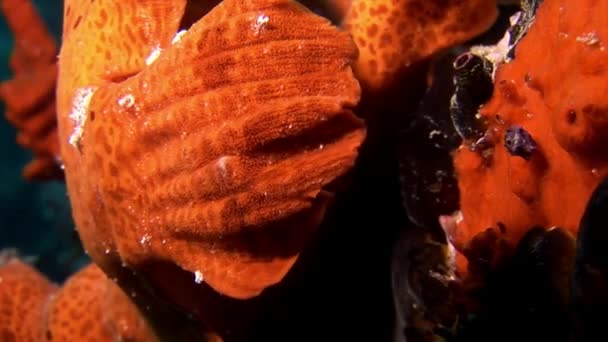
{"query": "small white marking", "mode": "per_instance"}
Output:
(79, 113)
(178, 36)
(260, 22)
(198, 277)
(145, 239)
(153, 55)
(126, 101)
(590, 38)
(433, 133)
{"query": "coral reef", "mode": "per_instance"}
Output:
(220, 155)
(544, 150)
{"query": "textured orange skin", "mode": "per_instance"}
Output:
(218, 165)
(392, 35)
(30, 96)
(557, 69)
(24, 294)
(89, 307)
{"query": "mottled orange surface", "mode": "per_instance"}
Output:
(89, 307)
(212, 151)
(24, 295)
(556, 89)
(30, 96)
(394, 34)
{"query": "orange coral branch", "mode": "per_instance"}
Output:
(30, 95)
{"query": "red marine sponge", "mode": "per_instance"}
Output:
(544, 149)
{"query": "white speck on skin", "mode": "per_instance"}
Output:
(260, 22)
(198, 277)
(222, 162)
(79, 113)
(458, 217)
(59, 162)
(589, 38)
(126, 101)
(178, 36)
(145, 239)
(153, 55)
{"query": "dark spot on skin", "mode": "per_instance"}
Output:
(92, 116)
(501, 227)
(571, 117)
(519, 142)
(77, 22)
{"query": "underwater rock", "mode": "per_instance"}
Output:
(519, 142)
(428, 183)
(472, 88)
(422, 282)
(590, 278)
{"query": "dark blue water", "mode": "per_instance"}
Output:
(34, 216)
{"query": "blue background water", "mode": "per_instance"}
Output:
(34, 216)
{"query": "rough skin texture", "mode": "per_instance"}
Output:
(30, 96)
(89, 307)
(24, 294)
(393, 34)
(556, 90)
(212, 156)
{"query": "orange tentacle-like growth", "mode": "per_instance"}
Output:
(555, 90)
(208, 148)
(30, 96)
